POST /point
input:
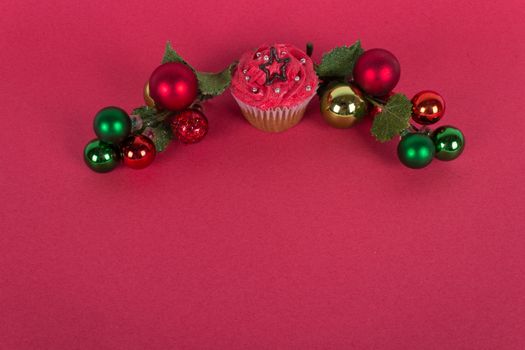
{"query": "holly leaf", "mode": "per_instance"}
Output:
(145, 112)
(393, 119)
(161, 135)
(339, 63)
(210, 84)
(171, 55)
(150, 116)
(214, 84)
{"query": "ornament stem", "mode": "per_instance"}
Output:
(413, 127)
(309, 49)
(198, 106)
(374, 101)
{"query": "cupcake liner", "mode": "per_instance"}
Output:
(274, 119)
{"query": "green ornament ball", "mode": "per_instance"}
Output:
(100, 156)
(112, 124)
(449, 142)
(416, 151)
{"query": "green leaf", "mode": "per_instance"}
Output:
(154, 126)
(171, 55)
(210, 84)
(339, 63)
(393, 119)
(161, 135)
(214, 84)
(151, 117)
(145, 112)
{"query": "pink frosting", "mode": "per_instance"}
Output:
(249, 83)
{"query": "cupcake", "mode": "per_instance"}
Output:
(273, 86)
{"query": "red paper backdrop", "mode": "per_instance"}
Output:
(316, 238)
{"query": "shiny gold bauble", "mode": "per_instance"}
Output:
(147, 98)
(343, 105)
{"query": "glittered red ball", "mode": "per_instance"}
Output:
(428, 107)
(138, 151)
(377, 72)
(173, 86)
(190, 126)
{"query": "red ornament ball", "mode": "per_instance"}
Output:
(375, 109)
(190, 126)
(138, 151)
(173, 86)
(428, 107)
(377, 72)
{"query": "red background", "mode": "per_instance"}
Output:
(316, 238)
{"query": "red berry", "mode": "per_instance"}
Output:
(375, 110)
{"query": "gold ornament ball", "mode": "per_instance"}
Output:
(147, 98)
(343, 105)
